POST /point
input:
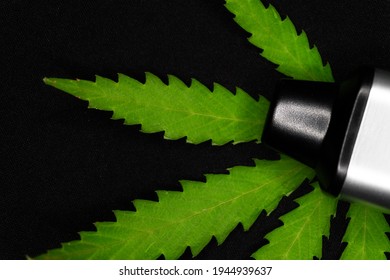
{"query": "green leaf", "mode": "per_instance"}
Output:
(300, 236)
(177, 109)
(279, 40)
(365, 234)
(189, 218)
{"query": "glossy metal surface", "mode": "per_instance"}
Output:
(368, 176)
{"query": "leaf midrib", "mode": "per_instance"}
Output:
(124, 102)
(307, 220)
(280, 45)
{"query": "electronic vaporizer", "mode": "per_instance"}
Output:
(342, 130)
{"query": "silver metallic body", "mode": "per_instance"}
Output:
(368, 175)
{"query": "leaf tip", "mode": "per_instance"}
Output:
(49, 81)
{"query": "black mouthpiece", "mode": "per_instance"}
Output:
(299, 117)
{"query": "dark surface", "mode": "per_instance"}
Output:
(64, 167)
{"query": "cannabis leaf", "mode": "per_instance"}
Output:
(365, 234)
(283, 46)
(300, 237)
(189, 218)
(181, 111)
(279, 40)
(214, 208)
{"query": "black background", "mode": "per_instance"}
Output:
(64, 167)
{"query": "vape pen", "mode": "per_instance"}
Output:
(342, 130)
